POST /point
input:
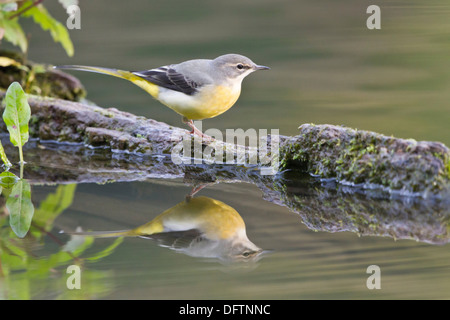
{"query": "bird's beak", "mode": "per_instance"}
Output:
(256, 67)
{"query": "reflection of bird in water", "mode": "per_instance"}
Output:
(199, 227)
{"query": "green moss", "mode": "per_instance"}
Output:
(447, 167)
(104, 112)
(363, 157)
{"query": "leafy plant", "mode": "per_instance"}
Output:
(22, 264)
(11, 30)
(16, 116)
(20, 207)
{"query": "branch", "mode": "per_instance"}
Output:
(18, 13)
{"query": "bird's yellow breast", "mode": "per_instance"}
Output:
(216, 100)
(213, 218)
(209, 102)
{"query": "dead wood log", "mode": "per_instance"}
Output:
(352, 157)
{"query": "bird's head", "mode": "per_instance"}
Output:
(235, 66)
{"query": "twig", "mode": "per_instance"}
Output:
(34, 4)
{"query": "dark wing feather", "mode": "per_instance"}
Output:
(177, 239)
(169, 78)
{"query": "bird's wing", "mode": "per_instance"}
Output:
(169, 78)
(177, 239)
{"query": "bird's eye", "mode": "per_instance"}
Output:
(240, 66)
(246, 254)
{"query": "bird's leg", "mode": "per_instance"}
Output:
(196, 189)
(190, 123)
(195, 130)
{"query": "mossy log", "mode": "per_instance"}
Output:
(351, 157)
(371, 160)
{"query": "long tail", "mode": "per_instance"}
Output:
(151, 88)
(112, 72)
(103, 234)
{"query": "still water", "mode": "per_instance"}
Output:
(326, 67)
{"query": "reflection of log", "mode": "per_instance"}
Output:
(321, 205)
(361, 158)
(368, 213)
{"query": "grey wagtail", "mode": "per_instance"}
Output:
(196, 89)
(199, 227)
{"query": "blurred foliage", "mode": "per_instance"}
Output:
(20, 266)
(24, 274)
(11, 29)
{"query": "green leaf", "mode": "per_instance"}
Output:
(8, 179)
(4, 157)
(57, 30)
(107, 251)
(17, 115)
(54, 205)
(20, 208)
(13, 32)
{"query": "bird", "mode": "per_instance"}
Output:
(198, 227)
(196, 89)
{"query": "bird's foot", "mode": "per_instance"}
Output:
(196, 131)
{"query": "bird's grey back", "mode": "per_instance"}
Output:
(197, 70)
